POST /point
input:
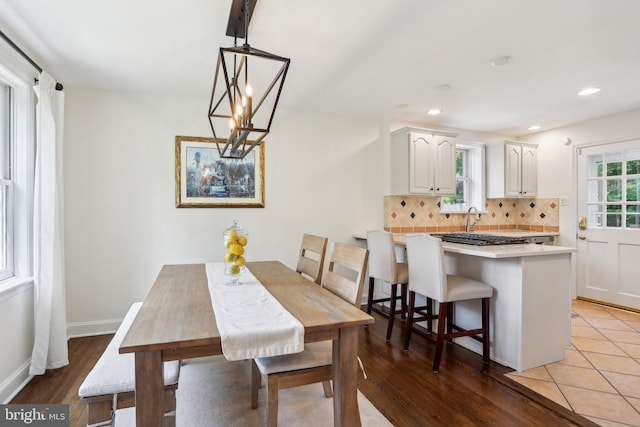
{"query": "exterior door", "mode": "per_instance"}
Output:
(608, 241)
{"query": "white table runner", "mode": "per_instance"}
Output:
(252, 323)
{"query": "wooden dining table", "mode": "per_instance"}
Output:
(177, 321)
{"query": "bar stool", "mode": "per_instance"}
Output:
(428, 277)
(384, 266)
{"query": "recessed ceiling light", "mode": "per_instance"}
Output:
(535, 127)
(434, 111)
(589, 91)
(501, 60)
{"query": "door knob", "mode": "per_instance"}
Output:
(582, 237)
(582, 223)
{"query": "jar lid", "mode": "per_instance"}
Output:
(235, 226)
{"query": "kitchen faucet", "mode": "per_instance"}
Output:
(469, 224)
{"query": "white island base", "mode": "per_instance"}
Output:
(530, 308)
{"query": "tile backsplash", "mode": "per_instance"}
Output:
(415, 214)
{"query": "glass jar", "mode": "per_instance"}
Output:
(235, 241)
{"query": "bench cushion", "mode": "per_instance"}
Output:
(125, 417)
(114, 372)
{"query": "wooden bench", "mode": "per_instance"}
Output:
(113, 376)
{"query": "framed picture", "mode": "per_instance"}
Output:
(204, 180)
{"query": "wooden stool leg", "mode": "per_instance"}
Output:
(409, 322)
(449, 321)
(403, 303)
(442, 319)
(429, 314)
(486, 341)
(392, 310)
(370, 299)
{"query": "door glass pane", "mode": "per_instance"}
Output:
(633, 220)
(614, 216)
(614, 190)
(633, 190)
(594, 190)
(595, 165)
(594, 218)
(633, 162)
(614, 164)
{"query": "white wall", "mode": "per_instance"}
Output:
(556, 169)
(16, 323)
(321, 176)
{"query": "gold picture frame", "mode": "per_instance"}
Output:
(204, 180)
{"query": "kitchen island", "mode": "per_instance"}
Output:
(531, 305)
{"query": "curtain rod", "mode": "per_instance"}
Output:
(25, 56)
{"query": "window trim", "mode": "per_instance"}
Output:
(475, 185)
(18, 74)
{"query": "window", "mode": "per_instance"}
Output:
(17, 154)
(6, 184)
(469, 180)
(614, 190)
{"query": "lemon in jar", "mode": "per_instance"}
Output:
(240, 261)
(230, 257)
(242, 240)
(234, 269)
(236, 249)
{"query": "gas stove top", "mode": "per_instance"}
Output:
(479, 239)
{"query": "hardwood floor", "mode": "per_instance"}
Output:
(401, 385)
(61, 385)
(404, 388)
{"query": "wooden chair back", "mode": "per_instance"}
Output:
(346, 273)
(311, 258)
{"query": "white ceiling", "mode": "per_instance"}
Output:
(380, 59)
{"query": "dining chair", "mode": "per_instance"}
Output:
(428, 277)
(311, 258)
(384, 267)
(344, 278)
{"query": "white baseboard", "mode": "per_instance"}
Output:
(16, 382)
(86, 329)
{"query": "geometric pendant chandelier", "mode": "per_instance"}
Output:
(246, 89)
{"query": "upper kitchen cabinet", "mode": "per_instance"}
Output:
(511, 169)
(423, 161)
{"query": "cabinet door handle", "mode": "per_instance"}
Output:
(437, 189)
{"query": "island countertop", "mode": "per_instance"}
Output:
(490, 251)
(530, 316)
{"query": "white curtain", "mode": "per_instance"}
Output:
(50, 346)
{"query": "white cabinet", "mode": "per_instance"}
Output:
(423, 162)
(511, 169)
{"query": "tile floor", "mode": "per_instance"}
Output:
(600, 376)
